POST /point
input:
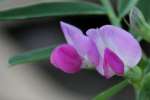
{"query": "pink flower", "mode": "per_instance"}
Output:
(66, 58)
(80, 51)
(118, 49)
(109, 49)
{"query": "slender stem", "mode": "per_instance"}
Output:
(111, 14)
(126, 22)
(137, 94)
(136, 88)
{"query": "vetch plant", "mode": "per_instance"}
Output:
(109, 49)
(103, 48)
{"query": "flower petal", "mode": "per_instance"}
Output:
(97, 38)
(72, 33)
(94, 35)
(66, 58)
(113, 62)
(121, 43)
(84, 46)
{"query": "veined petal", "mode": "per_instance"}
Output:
(112, 63)
(84, 46)
(90, 51)
(71, 33)
(66, 58)
(97, 38)
(121, 43)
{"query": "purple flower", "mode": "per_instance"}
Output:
(118, 49)
(109, 49)
(80, 51)
(66, 58)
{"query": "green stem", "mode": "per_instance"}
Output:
(137, 87)
(137, 94)
(111, 14)
(111, 91)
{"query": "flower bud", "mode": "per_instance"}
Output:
(66, 58)
(139, 26)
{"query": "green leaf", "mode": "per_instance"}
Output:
(138, 24)
(125, 6)
(32, 56)
(144, 93)
(145, 7)
(147, 66)
(111, 91)
(110, 12)
(52, 9)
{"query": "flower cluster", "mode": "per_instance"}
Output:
(109, 49)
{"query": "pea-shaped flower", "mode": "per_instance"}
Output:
(80, 52)
(118, 50)
(109, 49)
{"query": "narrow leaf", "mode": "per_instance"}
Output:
(32, 56)
(144, 7)
(52, 9)
(125, 6)
(147, 65)
(144, 93)
(111, 91)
